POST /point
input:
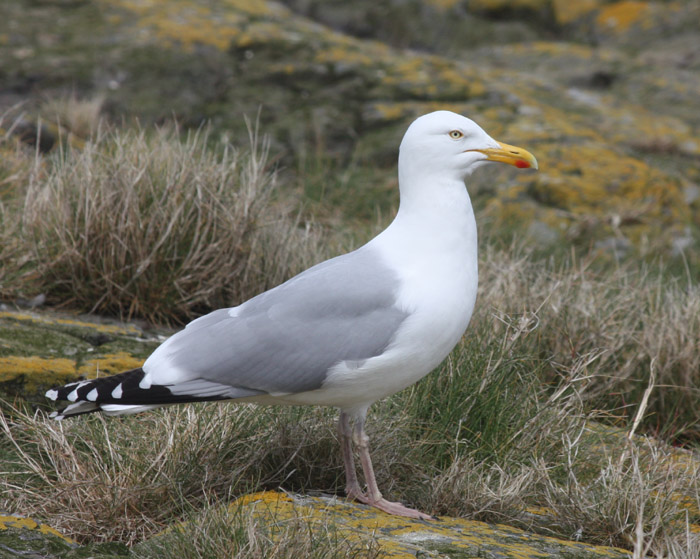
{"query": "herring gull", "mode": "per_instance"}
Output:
(348, 331)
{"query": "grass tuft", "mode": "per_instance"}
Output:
(633, 319)
(79, 117)
(148, 225)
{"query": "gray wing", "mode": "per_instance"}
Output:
(285, 340)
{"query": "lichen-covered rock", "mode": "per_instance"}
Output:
(613, 117)
(403, 538)
(24, 537)
(40, 350)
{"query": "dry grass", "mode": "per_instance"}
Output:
(148, 225)
(80, 117)
(127, 479)
(481, 437)
(636, 496)
(16, 166)
(112, 480)
(633, 319)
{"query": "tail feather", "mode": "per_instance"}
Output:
(118, 394)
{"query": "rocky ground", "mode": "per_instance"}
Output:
(389, 537)
(603, 93)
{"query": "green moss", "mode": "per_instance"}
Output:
(29, 339)
(18, 542)
(40, 350)
(20, 536)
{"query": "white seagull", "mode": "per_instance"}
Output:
(348, 331)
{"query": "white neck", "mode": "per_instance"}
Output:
(433, 235)
(439, 215)
(432, 245)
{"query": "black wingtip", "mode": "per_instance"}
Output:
(95, 390)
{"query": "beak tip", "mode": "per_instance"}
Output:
(527, 164)
(518, 157)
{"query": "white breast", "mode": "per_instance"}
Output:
(435, 257)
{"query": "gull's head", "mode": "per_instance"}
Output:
(443, 143)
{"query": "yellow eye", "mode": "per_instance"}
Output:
(456, 135)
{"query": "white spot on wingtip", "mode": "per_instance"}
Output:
(73, 396)
(92, 395)
(145, 383)
(52, 394)
(117, 392)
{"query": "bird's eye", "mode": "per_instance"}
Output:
(456, 135)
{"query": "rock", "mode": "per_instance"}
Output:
(543, 234)
(681, 244)
(691, 193)
(617, 246)
(399, 537)
(35, 135)
(32, 303)
(612, 117)
(24, 537)
(40, 350)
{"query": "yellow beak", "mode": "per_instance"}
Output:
(512, 155)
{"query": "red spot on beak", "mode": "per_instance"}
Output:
(522, 164)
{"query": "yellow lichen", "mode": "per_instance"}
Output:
(589, 177)
(36, 372)
(263, 32)
(187, 23)
(124, 330)
(588, 181)
(405, 109)
(109, 364)
(250, 7)
(402, 537)
(7, 522)
(568, 11)
(339, 53)
(557, 50)
(12, 366)
(621, 15)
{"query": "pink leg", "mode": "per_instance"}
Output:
(373, 497)
(352, 487)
